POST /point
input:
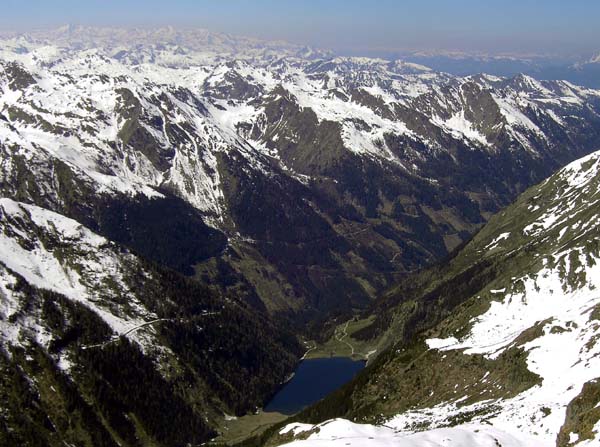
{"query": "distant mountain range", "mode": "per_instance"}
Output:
(585, 72)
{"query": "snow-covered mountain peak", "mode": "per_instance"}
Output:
(147, 45)
(595, 59)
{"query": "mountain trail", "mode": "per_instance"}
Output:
(343, 336)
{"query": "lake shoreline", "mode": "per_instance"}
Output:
(313, 379)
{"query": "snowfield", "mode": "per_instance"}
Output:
(339, 432)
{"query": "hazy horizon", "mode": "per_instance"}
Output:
(383, 27)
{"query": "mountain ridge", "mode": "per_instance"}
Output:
(312, 130)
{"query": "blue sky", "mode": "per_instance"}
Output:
(368, 26)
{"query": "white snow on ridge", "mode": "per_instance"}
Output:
(574, 179)
(57, 97)
(80, 278)
(310, 94)
(458, 126)
(496, 241)
(558, 300)
(441, 343)
(515, 117)
(340, 432)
